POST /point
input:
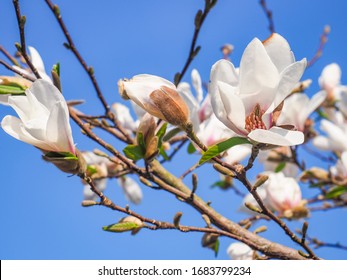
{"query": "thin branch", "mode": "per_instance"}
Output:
(176, 149)
(269, 16)
(199, 20)
(11, 68)
(322, 42)
(22, 47)
(9, 56)
(190, 170)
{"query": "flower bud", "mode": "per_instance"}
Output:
(240, 251)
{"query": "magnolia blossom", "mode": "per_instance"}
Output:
(123, 115)
(283, 193)
(240, 251)
(298, 107)
(157, 96)
(249, 102)
(43, 118)
(131, 189)
(37, 61)
(99, 165)
(330, 80)
(200, 110)
(335, 139)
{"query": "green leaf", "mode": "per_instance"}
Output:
(141, 141)
(13, 90)
(134, 152)
(62, 155)
(160, 134)
(91, 170)
(216, 248)
(280, 166)
(163, 153)
(322, 114)
(215, 150)
(336, 192)
(121, 227)
(191, 149)
(56, 68)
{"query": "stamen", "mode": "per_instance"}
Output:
(254, 121)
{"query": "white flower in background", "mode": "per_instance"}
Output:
(340, 169)
(298, 107)
(199, 109)
(272, 158)
(249, 103)
(123, 115)
(251, 200)
(157, 96)
(99, 165)
(43, 119)
(37, 61)
(330, 80)
(131, 188)
(335, 139)
(283, 193)
(240, 251)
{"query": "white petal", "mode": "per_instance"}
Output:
(197, 84)
(277, 136)
(36, 59)
(330, 77)
(58, 130)
(14, 127)
(323, 143)
(313, 104)
(131, 189)
(238, 153)
(4, 99)
(123, 115)
(240, 251)
(279, 51)
(256, 69)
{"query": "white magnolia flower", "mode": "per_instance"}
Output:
(298, 107)
(131, 188)
(335, 140)
(240, 251)
(283, 193)
(43, 118)
(157, 96)
(123, 115)
(199, 109)
(249, 102)
(37, 61)
(340, 169)
(330, 78)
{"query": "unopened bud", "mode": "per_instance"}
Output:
(209, 240)
(223, 170)
(260, 229)
(260, 181)
(253, 207)
(88, 203)
(314, 173)
(227, 49)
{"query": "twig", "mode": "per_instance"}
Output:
(176, 149)
(11, 68)
(255, 153)
(269, 16)
(199, 20)
(191, 169)
(22, 47)
(9, 56)
(323, 40)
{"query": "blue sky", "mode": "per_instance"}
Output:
(40, 212)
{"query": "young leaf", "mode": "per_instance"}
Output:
(121, 227)
(215, 150)
(160, 134)
(280, 167)
(191, 149)
(216, 248)
(61, 155)
(336, 192)
(133, 152)
(13, 90)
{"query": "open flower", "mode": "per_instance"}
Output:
(157, 96)
(249, 103)
(240, 251)
(43, 119)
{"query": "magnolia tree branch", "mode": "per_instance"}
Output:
(322, 42)
(14, 70)
(193, 51)
(89, 70)
(269, 16)
(22, 47)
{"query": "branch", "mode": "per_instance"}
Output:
(22, 47)
(199, 20)
(323, 40)
(11, 68)
(268, 14)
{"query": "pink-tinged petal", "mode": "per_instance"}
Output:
(14, 127)
(184, 90)
(58, 130)
(256, 69)
(279, 51)
(289, 77)
(330, 77)
(197, 84)
(234, 108)
(277, 136)
(205, 110)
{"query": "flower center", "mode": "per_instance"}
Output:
(254, 121)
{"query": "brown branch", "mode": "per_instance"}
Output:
(269, 16)
(9, 67)
(322, 42)
(9, 56)
(199, 20)
(22, 47)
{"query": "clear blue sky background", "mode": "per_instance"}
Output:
(40, 212)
